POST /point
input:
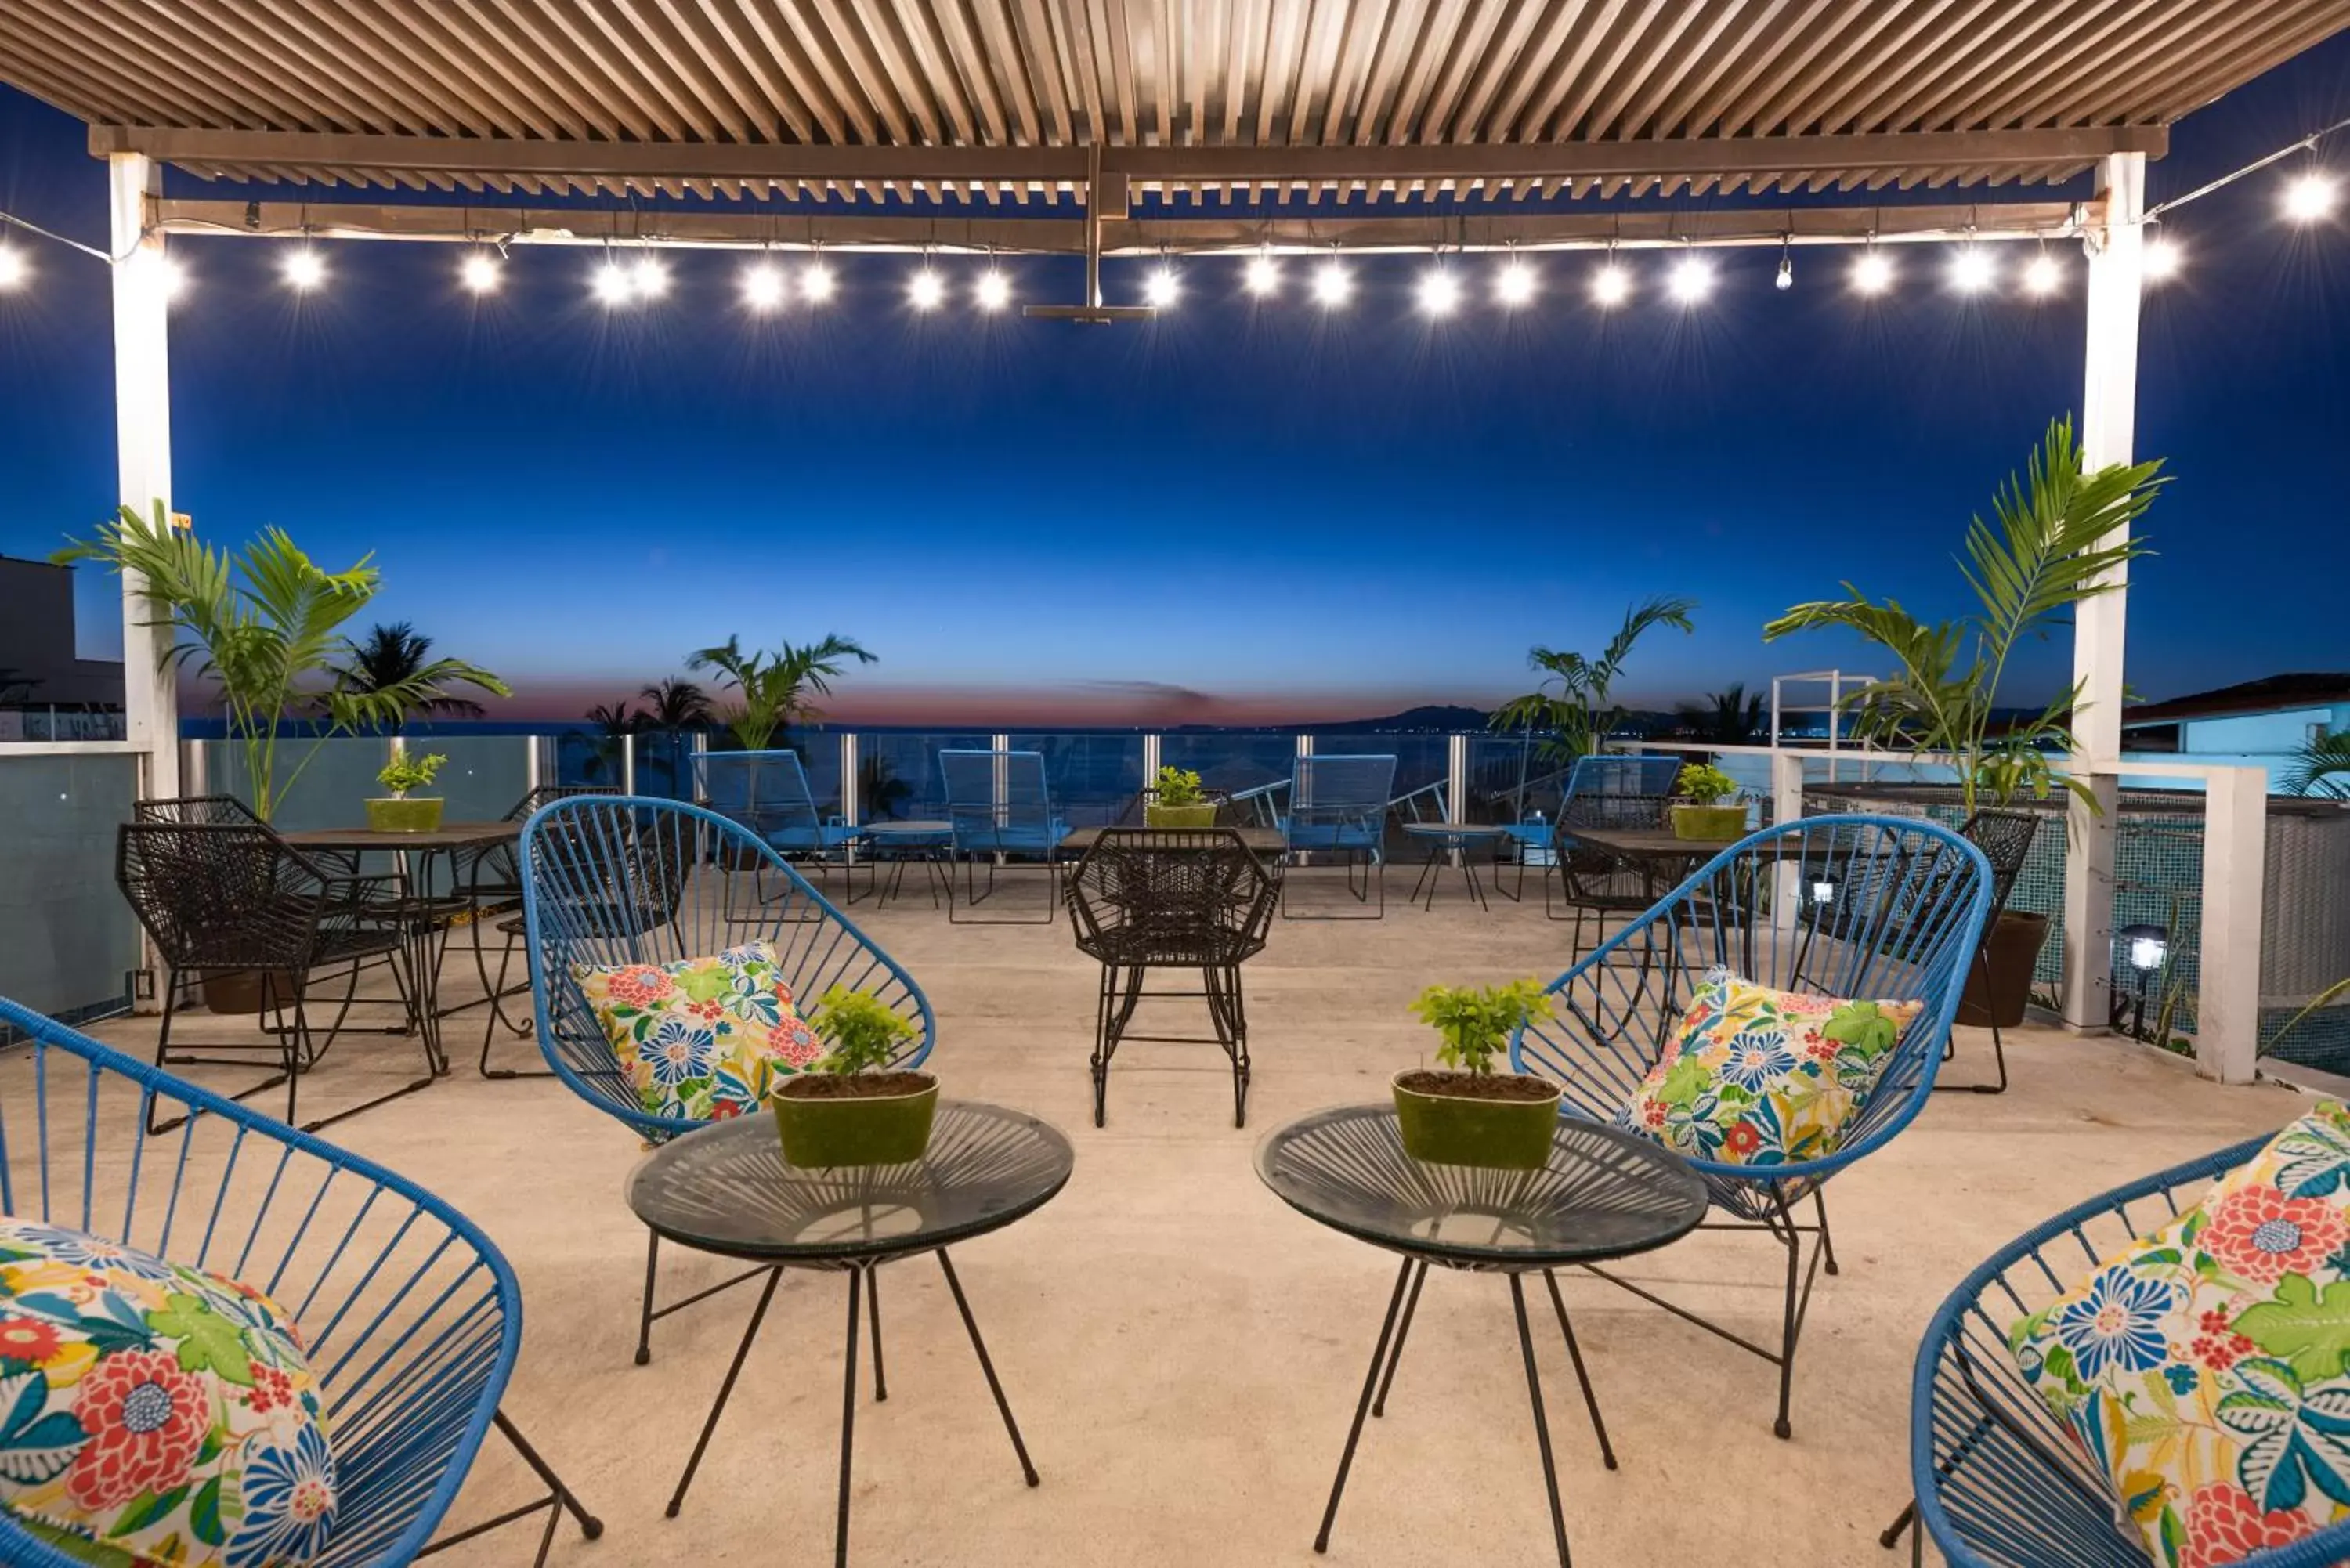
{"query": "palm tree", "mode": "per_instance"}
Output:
(389, 658)
(675, 706)
(1577, 713)
(617, 721)
(1730, 718)
(2322, 768)
(771, 689)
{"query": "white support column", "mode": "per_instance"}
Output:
(2235, 879)
(1786, 807)
(142, 439)
(2107, 436)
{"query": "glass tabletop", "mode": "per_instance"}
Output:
(1605, 1193)
(725, 1188)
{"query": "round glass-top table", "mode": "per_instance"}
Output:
(1603, 1194)
(726, 1190)
(892, 844)
(1461, 841)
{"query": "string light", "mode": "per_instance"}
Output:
(762, 286)
(613, 284)
(2160, 259)
(170, 278)
(1440, 292)
(1872, 271)
(1691, 280)
(2042, 276)
(2309, 197)
(14, 269)
(1514, 284)
(1611, 285)
(1785, 278)
(1972, 270)
(1162, 287)
(479, 273)
(993, 290)
(1263, 275)
(648, 279)
(1332, 284)
(815, 281)
(925, 290)
(304, 269)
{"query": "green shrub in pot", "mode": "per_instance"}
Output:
(1469, 1113)
(1177, 801)
(1709, 809)
(851, 1108)
(397, 813)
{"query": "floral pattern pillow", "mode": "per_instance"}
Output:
(1759, 1076)
(2203, 1366)
(703, 1039)
(154, 1414)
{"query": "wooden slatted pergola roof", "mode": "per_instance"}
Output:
(1287, 101)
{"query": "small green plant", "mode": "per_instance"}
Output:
(405, 772)
(1706, 784)
(1177, 786)
(1477, 1021)
(863, 1030)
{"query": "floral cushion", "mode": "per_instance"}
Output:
(703, 1039)
(1759, 1076)
(154, 1414)
(2203, 1365)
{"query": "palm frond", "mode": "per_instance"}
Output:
(2322, 767)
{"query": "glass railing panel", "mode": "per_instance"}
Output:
(319, 783)
(68, 940)
(898, 778)
(1233, 761)
(485, 778)
(1092, 774)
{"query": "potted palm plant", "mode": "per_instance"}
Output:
(772, 690)
(397, 813)
(1471, 1114)
(849, 1108)
(2050, 549)
(1177, 802)
(1709, 809)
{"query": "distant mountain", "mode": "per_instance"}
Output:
(1440, 716)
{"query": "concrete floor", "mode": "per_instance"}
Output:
(1183, 1351)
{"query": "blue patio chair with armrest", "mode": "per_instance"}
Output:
(999, 807)
(411, 1318)
(1906, 931)
(608, 879)
(1338, 805)
(1998, 1481)
(768, 792)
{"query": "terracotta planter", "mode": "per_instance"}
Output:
(1708, 823)
(1999, 989)
(1202, 815)
(891, 1126)
(1461, 1129)
(419, 814)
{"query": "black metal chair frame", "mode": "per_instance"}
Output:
(2005, 837)
(1195, 899)
(1582, 881)
(491, 880)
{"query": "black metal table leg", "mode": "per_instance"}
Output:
(873, 1311)
(742, 1351)
(847, 1425)
(1363, 1406)
(1403, 1331)
(1574, 1353)
(1003, 1406)
(1541, 1422)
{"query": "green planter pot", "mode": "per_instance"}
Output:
(420, 814)
(1708, 823)
(1499, 1134)
(856, 1130)
(1201, 815)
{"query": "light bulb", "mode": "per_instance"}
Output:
(1162, 288)
(1785, 279)
(993, 290)
(648, 279)
(1332, 285)
(925, 290)
(1263, 277)
(479, 273)
(305, 269)
(2148, 952)
(1691, 280)
(12, 270)
(1872, 272)
(816, 283)
(613, 284)
(1440, 293)
(2309, 197)
(2042, 276)
(1514, 284)
(1611, 284)
(762, 286)
(1971, 270)
(170, 278)
(2162, 259)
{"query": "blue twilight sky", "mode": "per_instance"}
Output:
(1290, 513)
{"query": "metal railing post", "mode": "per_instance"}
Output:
(2235, 876)
(851, 807)
(1456, 781)
(628, 764)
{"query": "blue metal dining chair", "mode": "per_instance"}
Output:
(1905, 929)
(2000, 1483)
(610, 880)
(1000, 805)
(411, 1318)
(1338, 805)
(768, 792)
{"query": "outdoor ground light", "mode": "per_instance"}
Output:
(1824, 891)
(2143, 951)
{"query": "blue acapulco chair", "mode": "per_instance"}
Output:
(1338, 805)
(412, 1318)
(609, 879)
(1905, 927)
(2000, 1483)
(1000, 804)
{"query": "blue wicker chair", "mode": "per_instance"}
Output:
(412, 1318)
(1905, 927)
(1000, 805)
(610, 880)
(1999, 1483)
(1338, 805)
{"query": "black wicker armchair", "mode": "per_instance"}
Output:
(490, 880)
(1198, 900)
(2005, 837)
(1592, 883)
(221, 897)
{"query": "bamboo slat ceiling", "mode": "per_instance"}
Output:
(993, 98)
